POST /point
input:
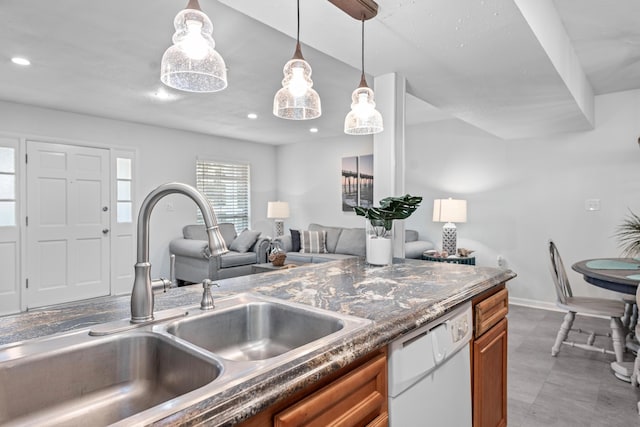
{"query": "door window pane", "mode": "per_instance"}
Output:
(7, 186)
(124, 211)
(124, 190)
(7, 214)
(123, 168)
(7, 163)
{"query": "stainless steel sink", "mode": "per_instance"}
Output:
(147, 372)
(257, 328)
(74, 381)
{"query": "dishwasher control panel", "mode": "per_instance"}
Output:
(460, 328)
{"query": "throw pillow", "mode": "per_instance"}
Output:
(333, 234)
(295, 240)
(244, 241)
(313, 242)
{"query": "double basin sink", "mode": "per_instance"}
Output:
(144, 374)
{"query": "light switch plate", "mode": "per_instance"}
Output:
(592, 204)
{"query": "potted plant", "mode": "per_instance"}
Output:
(628, 235)
(379, 225)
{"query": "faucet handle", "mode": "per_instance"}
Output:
(172, 271)
(207, 299)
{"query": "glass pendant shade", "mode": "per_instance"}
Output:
(297, 100)
(192, 64)
(363, 119)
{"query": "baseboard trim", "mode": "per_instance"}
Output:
(543, 305)
(531, 303)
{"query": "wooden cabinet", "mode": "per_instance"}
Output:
(489, 358)
(356, 397)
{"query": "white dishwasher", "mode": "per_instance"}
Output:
(430, 373)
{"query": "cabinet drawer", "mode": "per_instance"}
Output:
(490, 311)
(358, 398)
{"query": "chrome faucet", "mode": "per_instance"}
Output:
(142, 294)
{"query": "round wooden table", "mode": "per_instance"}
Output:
(612, 279)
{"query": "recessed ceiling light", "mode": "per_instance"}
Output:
(20, 61)
(313, 130)
(252, 116)
(163, 95)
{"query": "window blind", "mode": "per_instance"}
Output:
(226, 185)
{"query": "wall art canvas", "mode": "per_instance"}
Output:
(365, 181)
(349, 183)
(357, 182)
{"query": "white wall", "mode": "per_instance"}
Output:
(163, 155)
(520, 193)
(309, 178)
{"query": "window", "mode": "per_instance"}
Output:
(226, 185)
(7, 187)
(123, 193)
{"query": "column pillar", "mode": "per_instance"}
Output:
(388, 147)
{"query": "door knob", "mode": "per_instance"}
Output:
(105, 230)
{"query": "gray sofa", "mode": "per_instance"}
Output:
(194, 263)
(344, 243)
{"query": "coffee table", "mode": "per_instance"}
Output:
(267, 266)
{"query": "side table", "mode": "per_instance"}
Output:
(468, 260)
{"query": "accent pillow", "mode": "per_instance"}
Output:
(333, 234)
(313, 242)
(244, 241)
(295, 240)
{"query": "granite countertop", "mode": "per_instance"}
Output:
(397, 298)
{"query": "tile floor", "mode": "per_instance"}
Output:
(576, 388)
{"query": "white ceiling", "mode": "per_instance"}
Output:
(500, 65)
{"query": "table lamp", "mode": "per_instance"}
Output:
(278, 211)
(449, 211)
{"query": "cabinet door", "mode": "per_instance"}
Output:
(357, 399)
(490, 377)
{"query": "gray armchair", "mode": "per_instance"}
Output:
(194, 262)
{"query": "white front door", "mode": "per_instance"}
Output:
(68, 223)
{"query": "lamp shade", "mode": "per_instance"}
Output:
(297, 100)
(277, 210)
(449, 210)
(192, 64)
(363, 119)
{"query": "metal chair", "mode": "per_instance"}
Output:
(614, 309)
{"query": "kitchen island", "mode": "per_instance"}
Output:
(397, 299)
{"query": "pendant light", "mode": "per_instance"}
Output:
(297, 100)
(363, 119)
(192, 64)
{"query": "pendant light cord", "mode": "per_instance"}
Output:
(362, 45)
(298, 33)
(363, 79)
(298, 53)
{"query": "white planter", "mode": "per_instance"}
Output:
(379, 250)
(379, 245)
